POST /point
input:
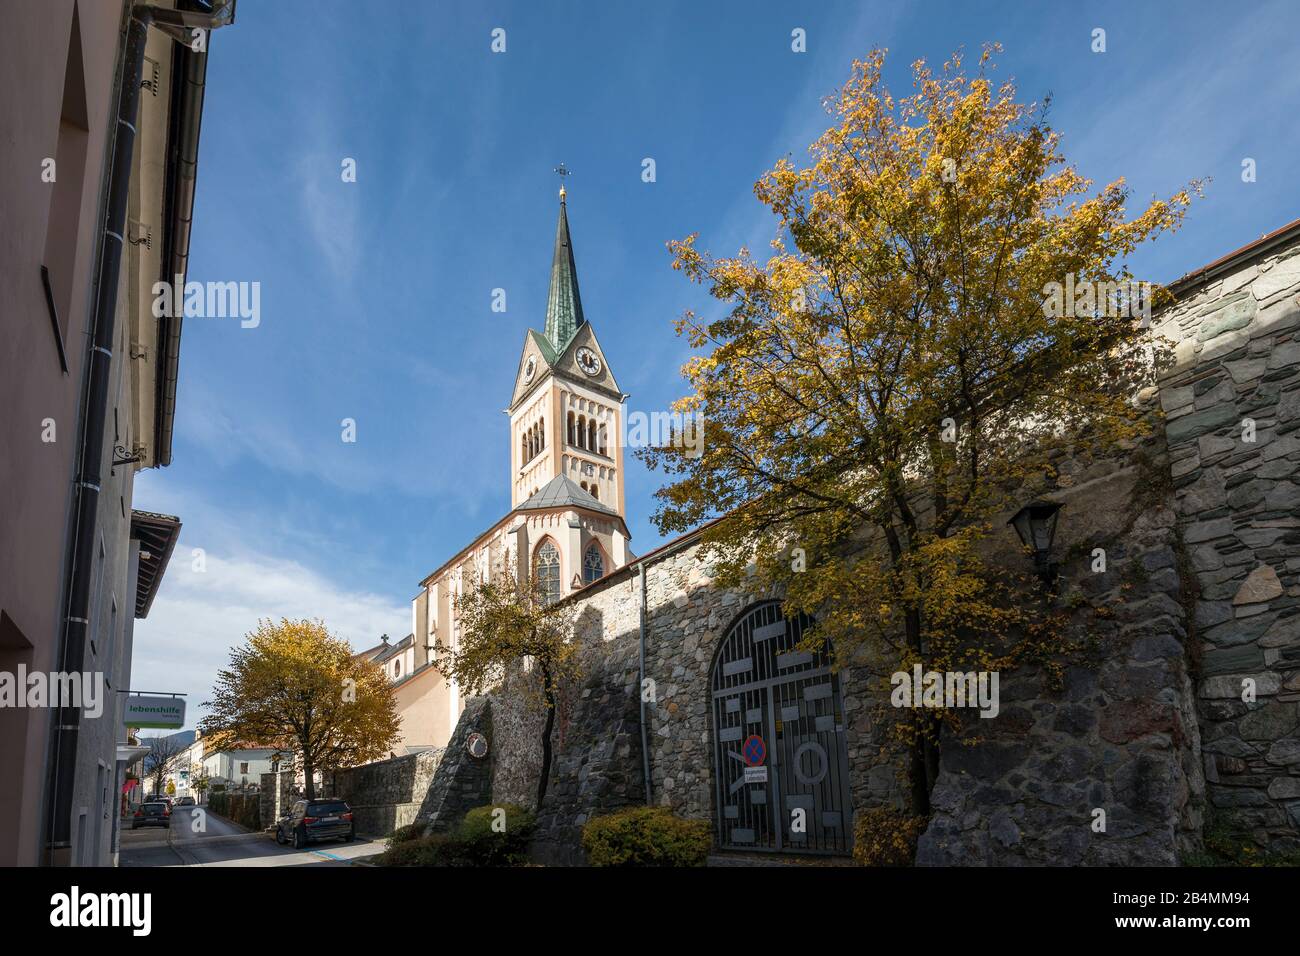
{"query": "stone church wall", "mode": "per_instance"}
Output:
(1238, 503)
(1120, 734)
(1100, 768)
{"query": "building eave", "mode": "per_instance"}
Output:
(157, 534)
(1232, 261)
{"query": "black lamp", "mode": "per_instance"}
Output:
(1036, 525)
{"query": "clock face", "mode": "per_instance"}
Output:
(530, 367)
(588, 361)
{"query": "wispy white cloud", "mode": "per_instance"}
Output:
(199, 615)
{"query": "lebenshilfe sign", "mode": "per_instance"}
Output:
(160, 712)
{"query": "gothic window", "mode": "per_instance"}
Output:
(593, 564)
(546, 572)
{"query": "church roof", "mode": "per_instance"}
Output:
(562, 492)
(563, 304)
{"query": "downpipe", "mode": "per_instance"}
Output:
(645, 746)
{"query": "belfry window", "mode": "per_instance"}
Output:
(572, 438)
(546, 572)
(591, 434)
(593, 564)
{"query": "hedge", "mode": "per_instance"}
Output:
(242, 808)
(493, 835)
(646, 836)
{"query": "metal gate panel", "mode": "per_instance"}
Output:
(797, 798)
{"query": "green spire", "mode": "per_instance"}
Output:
(563, 304)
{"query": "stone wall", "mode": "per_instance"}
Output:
(274, 797)
(460, 782)
(387, 794)
(1238, 503)
(518, 717)
(1120, 734)
(597, 765)
(1100, 768)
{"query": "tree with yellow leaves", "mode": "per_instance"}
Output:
(900, 366)
(296, 687)
(506, 624)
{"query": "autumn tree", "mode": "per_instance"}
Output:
(296, 687)
(897, 370)
(505, 624)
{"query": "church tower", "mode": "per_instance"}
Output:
(566, 444)
(566, 414)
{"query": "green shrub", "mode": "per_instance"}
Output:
(885, 836)
(646, 836)
(484, 838)
(494, 835)
(412, 831)
(1224, 847)
(429, 850)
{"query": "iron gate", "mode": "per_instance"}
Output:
(779, 743)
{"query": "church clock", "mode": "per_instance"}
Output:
(588, 361)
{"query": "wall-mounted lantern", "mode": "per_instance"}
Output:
(1036, 525)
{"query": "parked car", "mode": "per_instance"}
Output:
(311, 820)
(151, 814)
(186, 802)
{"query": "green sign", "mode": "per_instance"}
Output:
(167, 713)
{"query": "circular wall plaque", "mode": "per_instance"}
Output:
(476, 745)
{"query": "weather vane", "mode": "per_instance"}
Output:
(562, 171)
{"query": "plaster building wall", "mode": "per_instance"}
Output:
(50, 224)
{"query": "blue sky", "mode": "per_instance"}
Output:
(376, 295)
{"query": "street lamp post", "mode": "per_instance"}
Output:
(1035, 523)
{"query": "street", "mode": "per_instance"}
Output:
(222, 843)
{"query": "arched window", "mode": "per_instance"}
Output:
(572, 438)
(546, 572)
(583, 484)
(591, 434)
(582, 431)
(603, 445)
(541, 433)
(595, 490)
(523, 448)
(593, 564)
(397, 668)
